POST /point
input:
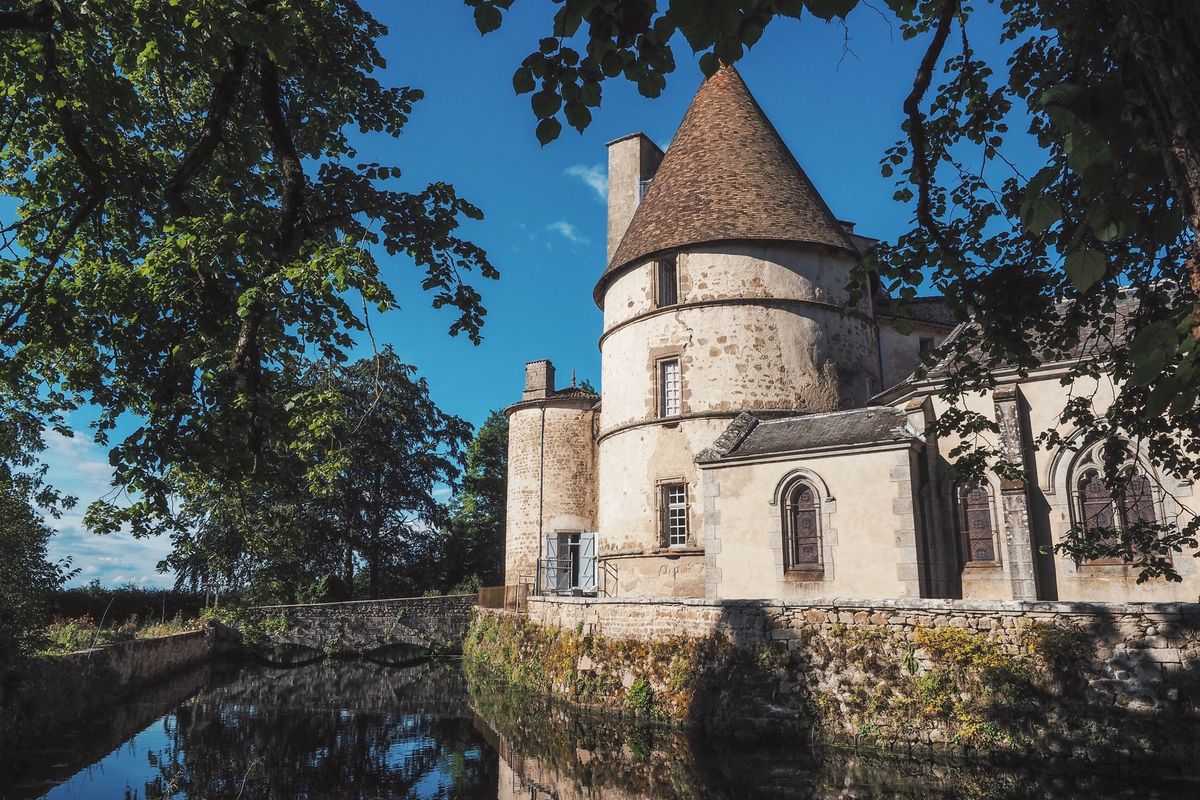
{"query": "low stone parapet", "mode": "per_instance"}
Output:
(43, 693)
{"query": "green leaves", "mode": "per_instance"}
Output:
(1151, 349)
(164, 277)
(1085, 268)
(545, 103)
(1038, 213)
(828, 9)
(548, 130)
(487, 17)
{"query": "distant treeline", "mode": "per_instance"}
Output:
(124, 603)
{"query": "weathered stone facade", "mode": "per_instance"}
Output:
(1066, 679)
(552, 471)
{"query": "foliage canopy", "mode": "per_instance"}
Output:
(193, 225)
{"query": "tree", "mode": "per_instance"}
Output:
(27, 575)
(375, 507)
(399, 449)
(1097, 251)
(475, 535)
(192, 218)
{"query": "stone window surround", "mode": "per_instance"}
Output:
(656, 280)
(1087, 459)
(1056, 488)
(660, 513)
(659, 355)
(826, 507)
(997, 528)
(805, 571)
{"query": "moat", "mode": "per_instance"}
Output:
(356, 729)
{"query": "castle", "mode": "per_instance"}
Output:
(745, 446)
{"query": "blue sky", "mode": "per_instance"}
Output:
(836, 102)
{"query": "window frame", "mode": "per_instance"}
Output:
(789, 515)
(666, 523)
(1089, 467)
(962, 524)
(663, 386)
(661, 267)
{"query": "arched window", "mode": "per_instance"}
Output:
(1111, 513)
(801, 527)
(976, 523)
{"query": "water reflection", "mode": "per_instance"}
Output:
(338, 729)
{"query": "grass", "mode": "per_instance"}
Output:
(82, 633)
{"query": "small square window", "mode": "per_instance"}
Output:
(674, 514)
(927, 345)
(668, 388)
(668, 282)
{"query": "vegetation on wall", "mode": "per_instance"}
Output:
(872, 684)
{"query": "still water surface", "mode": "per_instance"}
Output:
(363, 730)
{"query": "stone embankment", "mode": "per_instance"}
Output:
(42, 694)
(1061, 680)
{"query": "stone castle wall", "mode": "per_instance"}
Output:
(1074, 680)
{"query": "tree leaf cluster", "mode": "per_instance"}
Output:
(193, 225)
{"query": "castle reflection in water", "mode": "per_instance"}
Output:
(337, 729)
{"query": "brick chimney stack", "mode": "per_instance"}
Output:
(632, 161)
(539, 380)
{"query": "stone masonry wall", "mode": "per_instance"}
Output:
(46, 692)
(1075, 680)
(1144, 655)
(437, 624)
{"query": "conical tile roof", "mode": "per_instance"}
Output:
(727, 175)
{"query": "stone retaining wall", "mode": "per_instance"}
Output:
(46, 692)
(1056, 679)
(1142, 654)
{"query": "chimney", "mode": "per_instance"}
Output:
(539, 380)
(632, 161)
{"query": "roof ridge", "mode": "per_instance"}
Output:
(839, 412)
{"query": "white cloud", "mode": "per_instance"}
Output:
(568, 232)
(79, 467)
(594, 176)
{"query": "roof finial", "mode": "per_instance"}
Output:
(572, 379)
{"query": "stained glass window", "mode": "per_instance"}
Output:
(801, 528)
(976, 522)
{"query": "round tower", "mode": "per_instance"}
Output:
(724, 293)
(551, 481)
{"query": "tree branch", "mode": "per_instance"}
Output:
(245, 359)
(39, 18)
(922, 171)
(225, 91)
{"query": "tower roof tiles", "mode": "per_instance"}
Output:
(727, 176)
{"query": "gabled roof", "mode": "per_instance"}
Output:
(749, 436)
(727, 176)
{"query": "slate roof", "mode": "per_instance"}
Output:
(727, 176)
(930, 310)
(1090, 345)
(749, 436)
